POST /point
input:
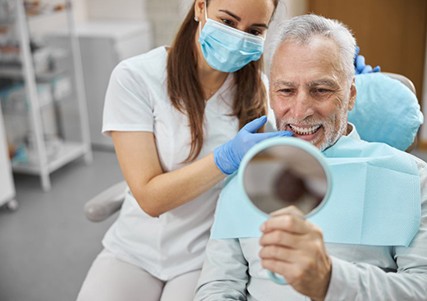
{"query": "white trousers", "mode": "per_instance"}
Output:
(111, 279)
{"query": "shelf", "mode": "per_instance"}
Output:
(45, 9)
(69, 152)
(7, 12)
(43, 159)
(18, 73)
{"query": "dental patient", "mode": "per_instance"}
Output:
(369, 242)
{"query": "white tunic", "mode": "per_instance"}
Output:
(137, 100)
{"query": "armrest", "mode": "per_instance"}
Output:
(106, 203)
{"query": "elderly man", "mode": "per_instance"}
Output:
(312, 89)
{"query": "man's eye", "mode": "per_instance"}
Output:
(321, 91)
(286, 91)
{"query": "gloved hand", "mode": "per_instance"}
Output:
(228, 155)
(360, 66)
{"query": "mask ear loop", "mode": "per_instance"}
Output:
(206, 11)
(206, 17)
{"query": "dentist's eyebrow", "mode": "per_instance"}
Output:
(231, 14)
(240, 19)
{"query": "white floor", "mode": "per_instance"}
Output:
(47, 245)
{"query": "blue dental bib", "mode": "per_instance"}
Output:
(375, 199)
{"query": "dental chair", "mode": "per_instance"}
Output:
(386, 110)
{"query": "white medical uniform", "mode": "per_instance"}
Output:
(137, 100)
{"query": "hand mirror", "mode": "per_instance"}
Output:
(286, 171)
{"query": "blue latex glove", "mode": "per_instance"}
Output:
(360, 66)
(228, 156)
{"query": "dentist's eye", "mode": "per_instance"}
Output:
(228, 22)
(256, 32)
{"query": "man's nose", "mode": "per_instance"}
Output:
(303, 106)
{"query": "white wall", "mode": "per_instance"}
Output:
(296, 7)
(165, 18)
(80, 10)
(161, 13)
(113, 9)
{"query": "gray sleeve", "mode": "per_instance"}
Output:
(357, 281)
(225, 272)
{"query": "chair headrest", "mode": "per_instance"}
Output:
(385, 111)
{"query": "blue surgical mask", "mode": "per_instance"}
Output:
(227, 49)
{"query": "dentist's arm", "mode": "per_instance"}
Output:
(157, 191)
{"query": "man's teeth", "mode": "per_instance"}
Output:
(305, 130)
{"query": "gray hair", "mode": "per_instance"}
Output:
(302, 29)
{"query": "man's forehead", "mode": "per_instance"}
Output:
(306, 64)
(315, 50)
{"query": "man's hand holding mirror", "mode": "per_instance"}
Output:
(288, 179)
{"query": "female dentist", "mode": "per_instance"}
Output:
(170, 113)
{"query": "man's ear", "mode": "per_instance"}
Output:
(353, 94)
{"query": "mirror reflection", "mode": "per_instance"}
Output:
(284, 175)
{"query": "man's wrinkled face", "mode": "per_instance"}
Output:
(309, 92)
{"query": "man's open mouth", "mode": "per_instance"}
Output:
(304, 130)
